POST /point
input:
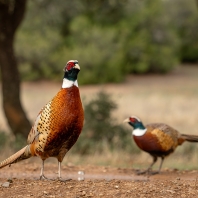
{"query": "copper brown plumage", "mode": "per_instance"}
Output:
(58, 124)
(157, 139)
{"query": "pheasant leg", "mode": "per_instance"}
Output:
(42, 176)
(59, 174)
(148, 171)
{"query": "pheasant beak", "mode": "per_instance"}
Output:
(126, 120)
(77, 66)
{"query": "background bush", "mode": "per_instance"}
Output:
(101, 133)
(184, 15)
(109, 38)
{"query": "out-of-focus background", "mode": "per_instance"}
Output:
(136, 57)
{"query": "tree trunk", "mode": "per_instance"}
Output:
(11, 15)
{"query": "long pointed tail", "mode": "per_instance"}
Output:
(190, 138)
(22, 154)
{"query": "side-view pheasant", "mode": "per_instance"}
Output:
(58, 124)
(157, 139)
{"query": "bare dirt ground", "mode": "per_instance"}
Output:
(99, 181)
(170, 98)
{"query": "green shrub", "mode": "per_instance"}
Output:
(150, 40)
(110, 39)
(14, 143)
(3, 139)
(96, 50)
(101, 131)
(185, 17)
(18, 143)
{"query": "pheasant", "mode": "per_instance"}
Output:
(58, 124)
(157, 139)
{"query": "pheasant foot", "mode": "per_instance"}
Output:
(42, 177)
(148, 172)
(63, 180)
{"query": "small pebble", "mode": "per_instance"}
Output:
(6, 184)
(45, 192)
(81, 175)
(83, 193)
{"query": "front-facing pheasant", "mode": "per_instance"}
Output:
(58, 124)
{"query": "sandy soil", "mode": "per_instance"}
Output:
(99, 181)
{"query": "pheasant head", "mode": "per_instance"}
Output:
(138, 127)
(71, 71)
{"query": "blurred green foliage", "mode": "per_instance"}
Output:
(3, 139)
(110, 38)
(18, 143)
(185, 16)
(100, 132)
(8, 141)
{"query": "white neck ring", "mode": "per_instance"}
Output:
(139, 132)
(69, 83)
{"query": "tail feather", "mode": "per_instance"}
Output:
(22, 154)
(189, 138)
